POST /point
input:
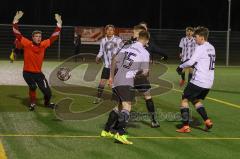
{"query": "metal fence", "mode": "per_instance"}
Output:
(167, 39)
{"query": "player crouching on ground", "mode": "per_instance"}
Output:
(203, 61)
(34, 52)
(132, 62)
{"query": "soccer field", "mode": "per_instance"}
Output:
(41, 135)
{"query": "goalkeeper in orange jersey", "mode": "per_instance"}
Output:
(34, 52)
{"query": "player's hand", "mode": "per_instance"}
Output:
(180, 55)
(179, 70)
(97, 60)
(18, 15)
(110, 82)
(58, 19)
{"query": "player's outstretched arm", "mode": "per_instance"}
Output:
(57, 31)
(16, 19)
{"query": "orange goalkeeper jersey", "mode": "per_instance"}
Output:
(34, 54)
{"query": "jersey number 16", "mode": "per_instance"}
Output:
(212, 61)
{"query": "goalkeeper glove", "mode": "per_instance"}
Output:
(18, 15)
(59, 20)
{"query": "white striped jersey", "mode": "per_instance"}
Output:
(203, 61)
(130, 59)
(188, 46)
(109, 47)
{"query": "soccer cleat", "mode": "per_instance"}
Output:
(208, 124)
(155, 124)
(51, 105)
(184, 129)
(106, 134)
(97, 100)
(181, 83)
(32, 106)
(122, 138)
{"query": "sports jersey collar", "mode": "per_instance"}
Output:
(189, 38)
(110, 39)
(140, 44)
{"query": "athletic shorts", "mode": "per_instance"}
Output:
(105, 73)
(193, 92)
(123, 94)
(142, 84)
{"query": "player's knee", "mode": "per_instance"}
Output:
(102, 83)
(184, 103)
(126, 106)
(147, 95)
(197, 103)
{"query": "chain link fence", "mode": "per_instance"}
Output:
(167, 39)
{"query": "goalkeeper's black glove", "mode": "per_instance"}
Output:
(179, 70)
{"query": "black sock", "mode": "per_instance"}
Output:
(201, 110)
(189, 76)
(123, 118)
(185, 115)
(100, 91)
(151, 108)
(112, 118)
(183, 76)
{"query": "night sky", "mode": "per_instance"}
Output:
(166, 14)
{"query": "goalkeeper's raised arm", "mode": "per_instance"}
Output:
(16, 19)
(56, 32)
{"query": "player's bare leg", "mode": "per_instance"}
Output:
(202, 111)
(151, 109)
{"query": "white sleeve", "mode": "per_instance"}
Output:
(100, 53)
(181, 43)
(145, 62)
(119, 46)
(196, 55)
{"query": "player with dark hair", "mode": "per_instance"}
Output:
(34, 52)
(109, 46)
(187, 47)
(203, 61)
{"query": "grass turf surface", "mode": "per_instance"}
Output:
(79, 139)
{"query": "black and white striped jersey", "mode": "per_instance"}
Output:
(109, 47)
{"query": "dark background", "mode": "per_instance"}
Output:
(165, 14)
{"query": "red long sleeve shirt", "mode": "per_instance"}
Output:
(34, 54)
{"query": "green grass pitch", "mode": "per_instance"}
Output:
(40, 135)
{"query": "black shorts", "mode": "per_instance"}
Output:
(105, 73)
(123, 94)
(193, 92)
(142, 84)
(35, 80)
